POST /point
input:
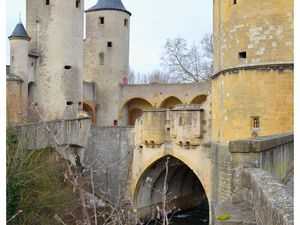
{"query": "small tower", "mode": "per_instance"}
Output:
(56, 28)
(17, 80)
(252, 87)
(106, 56)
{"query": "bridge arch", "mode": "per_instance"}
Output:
(199, 99)
(170, 102)
(133, 109)
(185, 188)
(91, 111)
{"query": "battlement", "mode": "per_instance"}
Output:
(185, 125)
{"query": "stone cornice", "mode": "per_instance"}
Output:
(263, 67)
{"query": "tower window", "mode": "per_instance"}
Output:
(12, 58)
(125, 22)
(243, 55)
(47, 2)
(255, 122)
(77, 3)
(69, 103)
(234, 2)
(101, 20)
(101, 58)
(109, 44)
(67, 67)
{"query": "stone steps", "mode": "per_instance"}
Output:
(241, 214)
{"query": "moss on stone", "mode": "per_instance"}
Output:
(224, 217)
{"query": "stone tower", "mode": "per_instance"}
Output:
(252, 87)
(56, 28)
(17, 80)
(106, 56)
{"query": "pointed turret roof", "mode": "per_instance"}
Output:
(108, 5)
(19, 32)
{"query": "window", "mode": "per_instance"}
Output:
(32, 64)
(243, 55)
(101, 20)
(12, 58)
(67, 67)
(47, 2)
(234, 2)
(69, 103)
(101, 58)
(125, 22)
(181, 121)
(109, 44)
(77, 3)
(255, 122)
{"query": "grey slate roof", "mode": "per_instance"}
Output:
(108, 5)
(19, 32)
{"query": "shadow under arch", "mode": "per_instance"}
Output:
(90, 110)
(133, 108)
(185, 189)
(170, 102)
(199, 99)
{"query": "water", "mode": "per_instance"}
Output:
(198, 215)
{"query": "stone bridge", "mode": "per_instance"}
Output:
(180, 134)
(231, 178)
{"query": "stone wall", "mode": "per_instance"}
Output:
(262, 29)
(271, 200)
(110, 149)
(57, 33)
(108, 74)
(222, 173)
(274, 154)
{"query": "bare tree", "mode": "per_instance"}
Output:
(165, 210)
(188, 63)
(156, 76)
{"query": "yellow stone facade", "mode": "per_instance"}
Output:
(253, 67)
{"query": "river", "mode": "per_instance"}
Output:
(198, 215)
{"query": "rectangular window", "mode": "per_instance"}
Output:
(77, 3)
(47, 2)
(243, 55)
(234, 2)
(101, 20)
(125, 22)
(255, 122)
(101, 58)
(109, 44)
(181, 121)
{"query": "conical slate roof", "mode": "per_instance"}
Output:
(19, 32)
(108, 5)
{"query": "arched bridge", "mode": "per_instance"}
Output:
(179, 136)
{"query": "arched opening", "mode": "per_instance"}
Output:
(184, 190)
(90, 110)
(31, 93)
(170, 102)
(199, 99)
(133, 109)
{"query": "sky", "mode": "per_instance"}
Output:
(152, 23)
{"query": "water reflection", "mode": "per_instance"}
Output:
(198, 215)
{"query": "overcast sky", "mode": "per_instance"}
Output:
(152, 23)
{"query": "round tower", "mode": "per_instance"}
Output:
(19, 45)
(252, 87)
(56, 28)
(106, 57)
